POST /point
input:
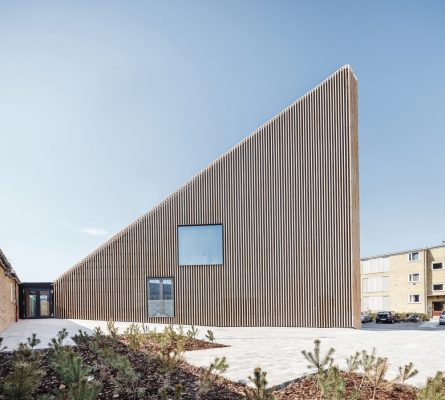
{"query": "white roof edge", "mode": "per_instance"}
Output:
(395, 253)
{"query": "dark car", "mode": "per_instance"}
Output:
(386, 317)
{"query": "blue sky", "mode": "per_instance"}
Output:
(107, 107)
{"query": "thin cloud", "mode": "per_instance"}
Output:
(94, 231)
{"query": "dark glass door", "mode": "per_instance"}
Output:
(37, 303)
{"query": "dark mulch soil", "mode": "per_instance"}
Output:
(144, 362)
(306, 389)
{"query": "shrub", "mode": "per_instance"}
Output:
(331, 383)
(314, 359)
(218, 366)
(112, 329)
(406, 372)
(26, 374)
(210, 336)
(82, 337)
(192, 332)
(127, 379)
(133, 336)
(260, 390)
(434, 388)
(22, 382)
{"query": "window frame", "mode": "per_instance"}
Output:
(436, 262)
(414, 302)
(194, 225)
(410, 276)
(147, 293)
(438, 290)
(410, 256)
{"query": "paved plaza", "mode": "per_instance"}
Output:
(278, 350)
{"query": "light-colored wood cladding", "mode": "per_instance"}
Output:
(287, 197)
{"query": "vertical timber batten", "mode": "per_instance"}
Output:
(287, 197)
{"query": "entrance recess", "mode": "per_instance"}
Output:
(36, 300)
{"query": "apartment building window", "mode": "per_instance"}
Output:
(200, 245)
(414, 256)
(414, 278)
(438, 287)
(375, 284)
(414, 298)
(437, 265)
(160, 297)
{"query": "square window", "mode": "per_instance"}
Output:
(437, 265)
(414, 256)
(200, 245)
(438, 287)
(414, 277)
(160, 297)
(414, 298)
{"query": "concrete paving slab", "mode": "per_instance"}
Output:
(45, 329)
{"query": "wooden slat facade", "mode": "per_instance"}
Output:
(288, 199)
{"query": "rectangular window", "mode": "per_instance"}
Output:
(200, 245)
(438, 287)
(437, 265)
(415, 256)
(414, 298)
(414, 277)
(160, 297)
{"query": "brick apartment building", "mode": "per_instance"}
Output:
(406, 281)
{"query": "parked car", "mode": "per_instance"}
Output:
(365, 317)
(412, 318)
(388, 317)
(442, 318)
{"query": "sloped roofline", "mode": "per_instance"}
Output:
(205, 169)
(6, 265)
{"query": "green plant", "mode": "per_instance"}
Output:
(260, 390)
(353, 362)
(181, 330)
(177, 393)
(84, 390)
(192, 332)
(82, 336)
(331, 384)
(367, 363)
(316, 361)
(434, 388)
(22, 382)
(127, 379)
(33, 341)
(71, 368)
(218, 366)
(78, 381)
(169, 356)
(133, 337)
(98, 332)
(57, 342)
(406, 372)
(210, 336)
(112, 329)
(376, 376)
